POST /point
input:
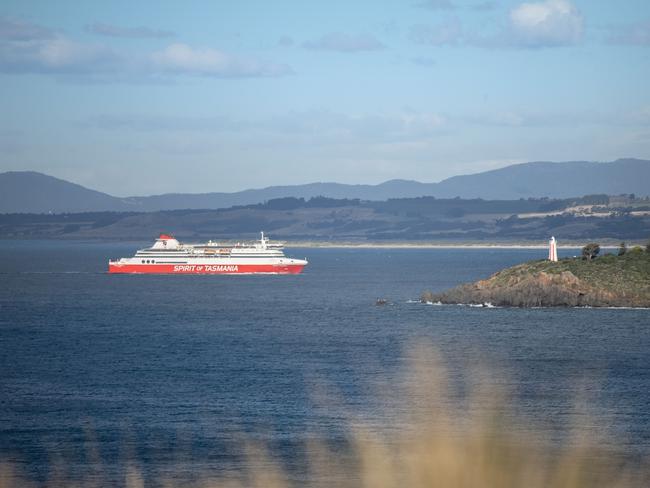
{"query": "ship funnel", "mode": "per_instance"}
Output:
(165, 241)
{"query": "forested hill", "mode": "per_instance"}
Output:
(325, 219)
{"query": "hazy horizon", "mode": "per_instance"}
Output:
(154, 98)
(359, 184)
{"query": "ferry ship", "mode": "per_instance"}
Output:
(169, 256)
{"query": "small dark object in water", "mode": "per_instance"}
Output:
(381, 301)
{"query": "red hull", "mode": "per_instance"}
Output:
(205, 269)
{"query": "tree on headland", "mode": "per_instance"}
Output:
(590, 251)
(622, 249)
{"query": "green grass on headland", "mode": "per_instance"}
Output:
(615, 281)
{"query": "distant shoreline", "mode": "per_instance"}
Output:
(422, 245)
(604, 243)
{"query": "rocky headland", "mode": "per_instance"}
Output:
(606, 281)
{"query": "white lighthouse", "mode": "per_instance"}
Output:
(552, 249)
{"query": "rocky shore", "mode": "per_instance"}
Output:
(607, 281)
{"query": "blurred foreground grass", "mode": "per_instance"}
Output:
(433, 441)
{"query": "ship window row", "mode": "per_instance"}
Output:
(254, 256)
(248, 256)
(164, 257)
(243, 256)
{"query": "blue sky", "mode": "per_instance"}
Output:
(137, 98)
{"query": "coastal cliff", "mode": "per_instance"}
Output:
(607, 281)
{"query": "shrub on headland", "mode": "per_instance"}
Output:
(609, 281)
(590, 251)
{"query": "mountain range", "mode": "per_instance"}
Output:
(32, 192)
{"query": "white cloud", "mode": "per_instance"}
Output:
(640, 116)
(110, 30)
(502, 118)
(484, 6)
(635, 34)
(58, 55)
(285, 41)
(337, 41)
(552, 118)
(320, 125)
(447, 33)
(16, 30)
(61, 53)
(546, 23)
(160, 123)
(425, 61)
(31, 48)
(183, 59)
(324, 127)
(436, 5)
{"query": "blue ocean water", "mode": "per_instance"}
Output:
(168, 372)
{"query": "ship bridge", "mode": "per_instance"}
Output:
(165, 242)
